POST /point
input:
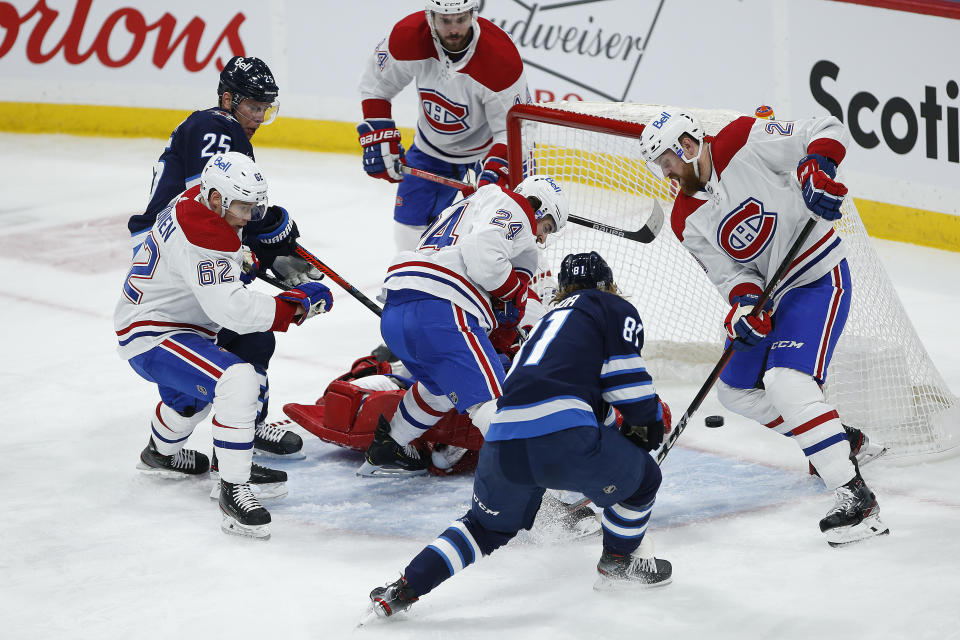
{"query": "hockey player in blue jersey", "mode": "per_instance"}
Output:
(247, 98)
(555, 428)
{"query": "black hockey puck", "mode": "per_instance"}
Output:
(713, 421)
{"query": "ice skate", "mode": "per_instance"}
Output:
(183, 464)
(266, 484)
(855, 516)
(631, 572)
(242, 513)
(393, 598)
(383, 354)
(384, 457)
(862, 450)
(271, 441)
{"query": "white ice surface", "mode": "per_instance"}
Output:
(91, 549)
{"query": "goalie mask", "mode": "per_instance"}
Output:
(236, 178)
(552, 199)
(662, 135)
(585, 271)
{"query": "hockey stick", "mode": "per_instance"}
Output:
(644, 234)
(266, 277)
(349, 288)
(728, 352)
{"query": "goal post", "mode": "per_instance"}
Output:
(881, 379)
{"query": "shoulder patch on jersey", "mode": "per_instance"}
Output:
(527, 209)
(204, 228)
(496, 63)
(729, 141)
(683, 207)
(411, 39)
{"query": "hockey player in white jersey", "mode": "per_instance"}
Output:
(468, 277)
(555, 428)
(468, 73)
(744, 196)
(186, 283)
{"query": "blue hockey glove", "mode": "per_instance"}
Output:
(495, 168)
(382, 151)
(279, 232)
(314, 297)
(744, 330)
(821, 193)
(251, 265)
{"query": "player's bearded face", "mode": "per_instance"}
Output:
(681, 172)
(453, 30)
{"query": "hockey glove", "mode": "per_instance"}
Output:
(513, 296)
(279, 232)
(382, 151)
(507, 340)
(312, 296)
(494, 169)
(649, 436)
(822, 195)
(745, 330)
(294, 270)
(251, 266)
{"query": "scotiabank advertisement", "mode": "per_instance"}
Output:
(891, 76)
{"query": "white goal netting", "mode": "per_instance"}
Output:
(881, 378)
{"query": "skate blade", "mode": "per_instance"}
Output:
(871, 454)
(272, 491)
(870, 527)
(368, 470)
(604, 583)
(166, 473)
(296, 455)
(231, 526)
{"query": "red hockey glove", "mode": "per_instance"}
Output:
(513, 295)
(744, 330)
(314, 297)
(821, 193)
(382, 151)
(495, 168)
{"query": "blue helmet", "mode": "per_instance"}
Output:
(248, 78)
(586, 270)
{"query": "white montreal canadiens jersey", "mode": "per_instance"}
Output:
(185, 278)
(580, 359)
(463, 104)
(469, 251)
(742, 226)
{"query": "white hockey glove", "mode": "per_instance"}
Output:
(294, 270)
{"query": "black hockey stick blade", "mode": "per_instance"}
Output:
(266, 277)
(645, 234)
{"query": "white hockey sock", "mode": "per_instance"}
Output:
(418, 411)
(407, 236)
(235, 411)
(813, 423)
(750, 403)
(170, 430)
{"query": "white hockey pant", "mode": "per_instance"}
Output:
(170, 430)
(418, 411)
(793, 405)
(235, 403)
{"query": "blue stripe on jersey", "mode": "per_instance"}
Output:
(789, 281)
(628, 393)
(618, 365)
(412, 273)
(443, 152)
(540, 418)
(461, 544)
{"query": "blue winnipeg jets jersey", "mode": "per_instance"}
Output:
(580, 358)
(192, 143)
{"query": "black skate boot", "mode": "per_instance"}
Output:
(184, 463)
(384, 457)
(242, 513)
(855, 515)
(272, 441)
(862, 451)
(631, 572)
(392, 598)
(266, 484)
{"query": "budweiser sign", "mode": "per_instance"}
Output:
(126, 25)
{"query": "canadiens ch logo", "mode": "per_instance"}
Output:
(443, 115)
(747, 230)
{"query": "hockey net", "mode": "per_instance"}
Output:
(881, 379)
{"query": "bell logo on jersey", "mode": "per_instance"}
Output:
(442, 115)
(747, 230)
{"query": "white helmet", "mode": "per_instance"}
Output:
(450, 6)
(663, 134)
(235, 176)
(553, 201)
